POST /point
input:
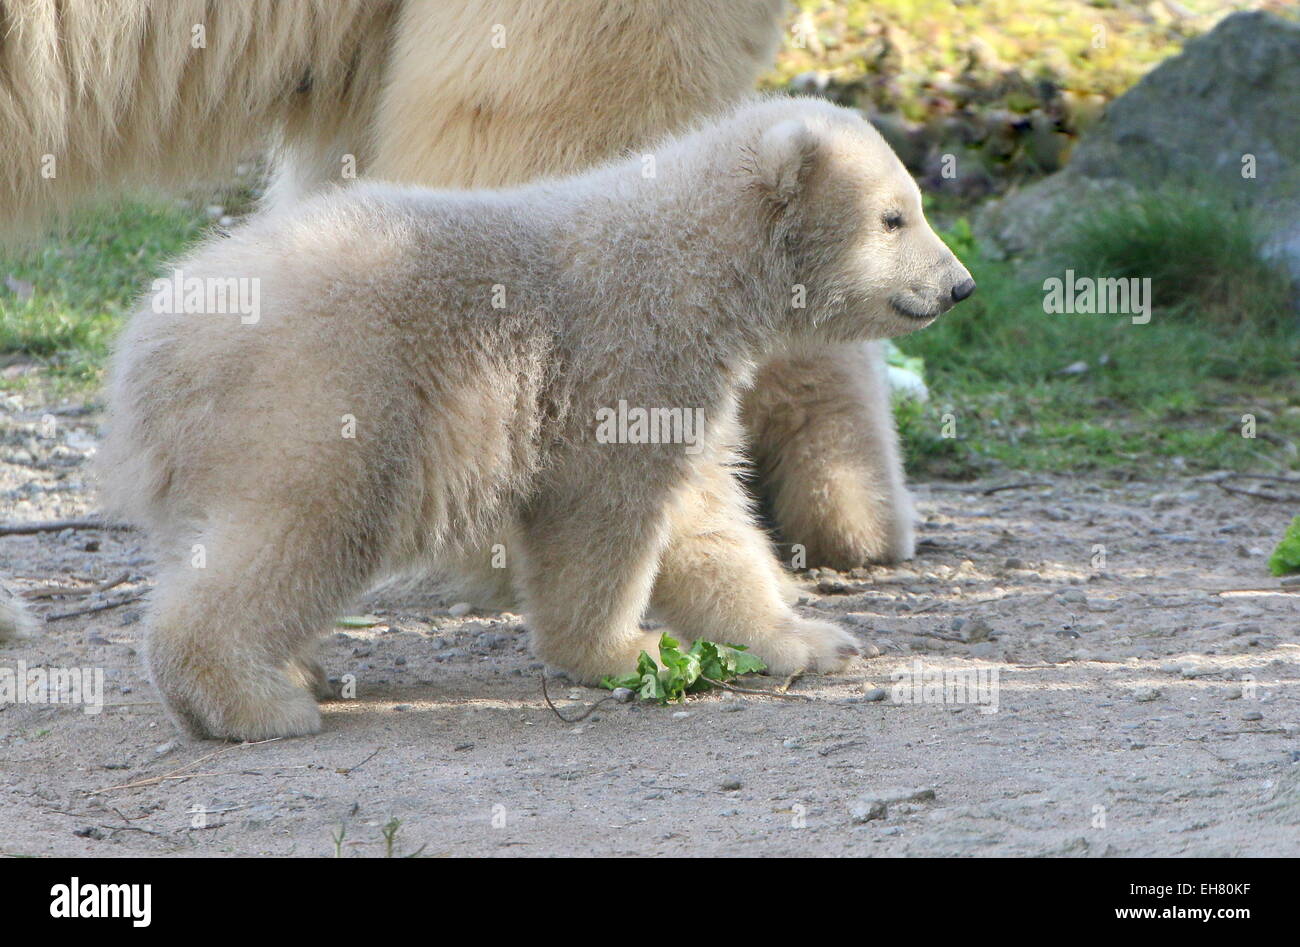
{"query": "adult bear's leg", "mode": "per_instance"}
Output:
(826, 452)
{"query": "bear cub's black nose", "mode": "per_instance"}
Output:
(962, 290)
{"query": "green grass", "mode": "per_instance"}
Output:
(1200, 251)
(1223, 341)
(84, 282)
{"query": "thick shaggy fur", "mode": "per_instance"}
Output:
(444, 93)
(471, 339)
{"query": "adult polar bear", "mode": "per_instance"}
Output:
(456, 93)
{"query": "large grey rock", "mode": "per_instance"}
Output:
(1232, 93)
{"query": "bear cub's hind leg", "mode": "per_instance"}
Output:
(229, 643)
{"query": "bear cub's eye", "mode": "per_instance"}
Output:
(893, 220)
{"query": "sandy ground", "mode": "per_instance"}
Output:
(1143, 707)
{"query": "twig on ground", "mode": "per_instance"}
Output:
(790, 680)
(349, 770)
(1270, 477)
(1014, 486)
(582, 716)
(179, 773)
(1259, 494)
(760, 693)
(1283, 589)
(100, 607)
(58, 526)
(56, 591)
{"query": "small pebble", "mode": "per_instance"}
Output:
(1252, 715)
(868, 810)
(876, 693)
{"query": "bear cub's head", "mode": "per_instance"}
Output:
(846, 215)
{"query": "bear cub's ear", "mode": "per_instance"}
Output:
(785, 153)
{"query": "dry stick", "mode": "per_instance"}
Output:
(57, 526)
(102, 606)
(1284, 589)
(1272, 497)
(348, 771)
(177, 772)
(790, 680)
(751, 690)
(1014, 486)
(52, 591)
(583, 716)
(1270, 477)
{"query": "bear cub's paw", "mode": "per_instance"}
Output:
(811, 645)
(248, 717)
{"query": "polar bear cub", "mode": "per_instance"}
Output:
(546, 378)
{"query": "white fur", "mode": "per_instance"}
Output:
(444, 93)
(475, 424)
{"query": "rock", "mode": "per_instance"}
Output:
(833, 587)
(868, 810)
(1252, 715)
(910, 794)
(1232, 93)
(460, 609)
(1013, 563)
(874, 806)
(624, 695)
(1146, 695)
(731, 784)
(975, 631)
(875, 694)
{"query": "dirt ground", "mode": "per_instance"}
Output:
(1145, 705)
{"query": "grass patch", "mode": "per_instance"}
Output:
(1200, 251)
(64, 299)
(1222, 343)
